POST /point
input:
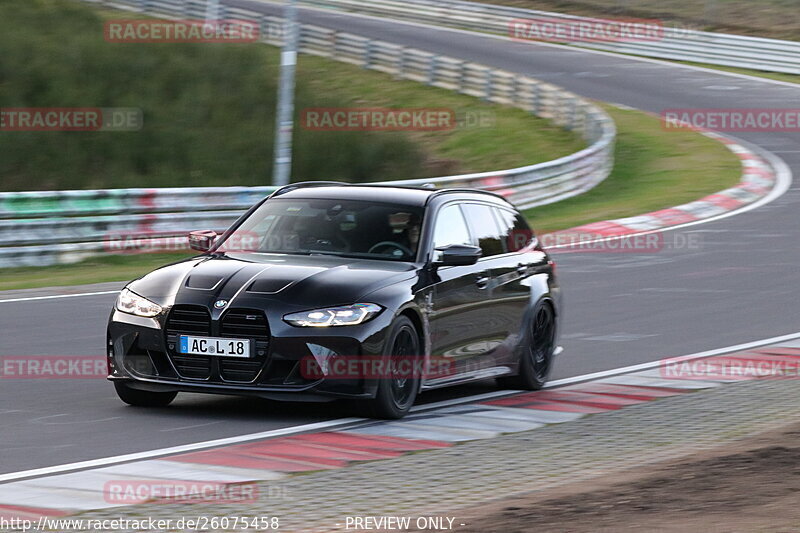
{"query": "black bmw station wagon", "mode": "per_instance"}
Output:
(326, 290)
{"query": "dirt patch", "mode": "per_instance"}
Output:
(752, 486)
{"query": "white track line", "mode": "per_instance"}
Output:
(55, 296)
(342, 422)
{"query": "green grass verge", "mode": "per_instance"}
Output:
(508, 138)
(655, 168)
(98, 269)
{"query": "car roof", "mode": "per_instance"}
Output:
(394, 195)
(412, 196)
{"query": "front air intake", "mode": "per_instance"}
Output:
(188, 320)
(245, 324)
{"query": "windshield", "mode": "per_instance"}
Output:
(330, 227)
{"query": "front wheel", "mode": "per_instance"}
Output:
(536, 357)
(142, 398)
(398, 388)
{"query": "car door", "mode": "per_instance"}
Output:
(458, 299)
(512, 274)
(498, 315)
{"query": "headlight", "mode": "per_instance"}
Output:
(132, 303)
(349, 315)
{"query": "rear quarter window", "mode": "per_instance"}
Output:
(514, 229)
(485, 228)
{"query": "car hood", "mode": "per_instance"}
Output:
(300, 281)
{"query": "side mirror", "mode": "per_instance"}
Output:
(202, 241)
(457, 255)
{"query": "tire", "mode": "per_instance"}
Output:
(536, 355)
(142, 398)
(396, 395)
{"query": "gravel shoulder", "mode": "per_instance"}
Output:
(748, 486)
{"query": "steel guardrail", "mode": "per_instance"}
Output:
(50, 227)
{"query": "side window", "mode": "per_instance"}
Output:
(450, 227)
(514, 230)
(484, 227)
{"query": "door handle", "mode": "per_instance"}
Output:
(522, 270)
(482, 280)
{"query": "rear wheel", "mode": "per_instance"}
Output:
(536, 358)
(398, 389)
(142, 398)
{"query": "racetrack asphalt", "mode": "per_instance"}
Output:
(621, 309)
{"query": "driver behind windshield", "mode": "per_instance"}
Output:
(394, 235)
(406, 228)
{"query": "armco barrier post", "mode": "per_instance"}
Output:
(368, 46)
(400, 68)
(432, 70)
(535, 96)
(487, 88)
(572, 121)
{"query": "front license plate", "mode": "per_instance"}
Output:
(214, 346)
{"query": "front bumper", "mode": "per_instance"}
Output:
(287, 365)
